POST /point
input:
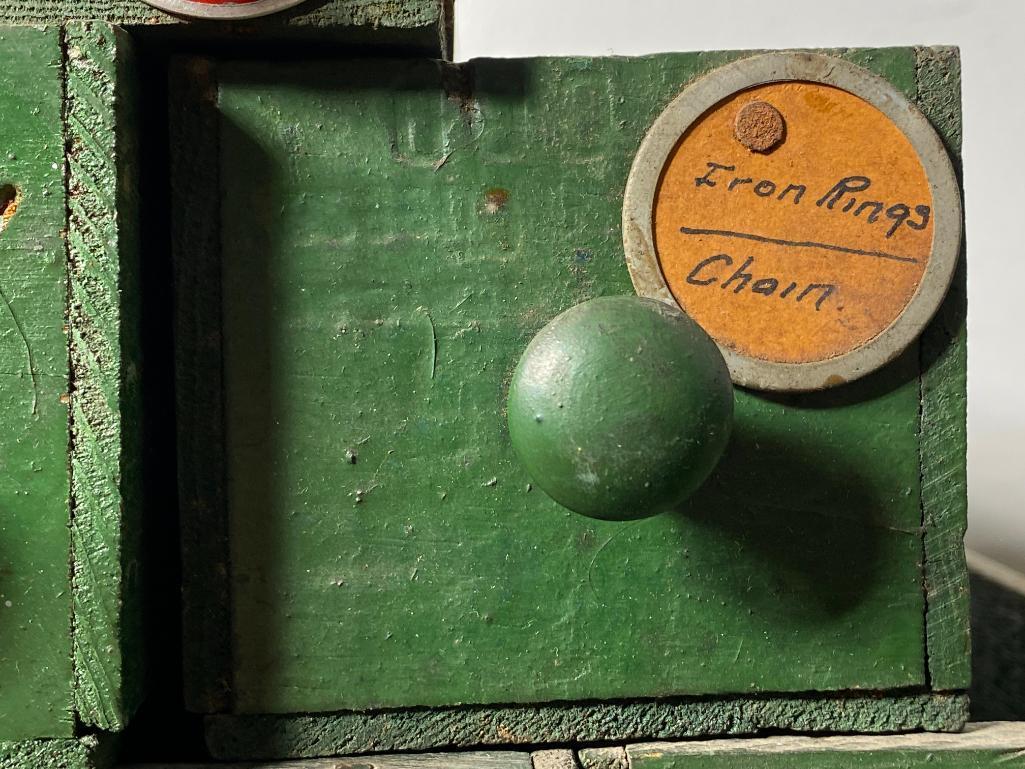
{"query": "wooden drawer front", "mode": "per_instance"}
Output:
(390, 235)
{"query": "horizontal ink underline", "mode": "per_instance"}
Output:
(798, 243)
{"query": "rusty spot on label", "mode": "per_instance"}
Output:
(804, 253)
(759, 126)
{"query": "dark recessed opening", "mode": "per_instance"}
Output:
(8, 203)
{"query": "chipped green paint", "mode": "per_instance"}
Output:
(392, 239)
(35, 590)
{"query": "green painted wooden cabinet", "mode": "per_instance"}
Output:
(260, 313)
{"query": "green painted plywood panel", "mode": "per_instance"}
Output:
(392, 236)
(35, 591)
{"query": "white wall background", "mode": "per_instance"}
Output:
(989, 34)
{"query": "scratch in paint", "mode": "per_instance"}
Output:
(434, 341)
(598, 552)
(478, 118)
(28, 350)
(740, 648)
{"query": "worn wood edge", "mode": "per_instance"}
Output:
(376, 16)
(603, 758)
(89, 752)
(554, 758)
(995, 736)
(195, 248)
(105, 360)
(943, 353)
(263, 737)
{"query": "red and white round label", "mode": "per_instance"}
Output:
(223, 9)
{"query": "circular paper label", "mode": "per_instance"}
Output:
(803, 252)
(796, 221)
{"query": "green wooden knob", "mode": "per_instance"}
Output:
(620, 407)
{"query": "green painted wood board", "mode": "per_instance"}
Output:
(107, 371)
(69, 490)
(35, 591)
(382, 207)
(944, 360)
(981, 745)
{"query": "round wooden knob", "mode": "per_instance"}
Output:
(620, 407)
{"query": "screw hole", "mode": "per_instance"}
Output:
(9, 199)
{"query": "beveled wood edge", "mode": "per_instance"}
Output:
(102, 174)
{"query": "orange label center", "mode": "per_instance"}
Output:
(806, 250)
